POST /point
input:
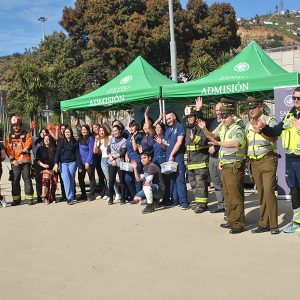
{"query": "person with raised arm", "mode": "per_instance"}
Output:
(289, 130)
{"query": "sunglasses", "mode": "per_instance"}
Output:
(296, 98)
(253, 106)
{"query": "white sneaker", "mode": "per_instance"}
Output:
(3, 203)
(118, 197)
(98, 197)
(105, 198)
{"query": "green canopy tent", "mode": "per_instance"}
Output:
(251, 72)
(138, 83)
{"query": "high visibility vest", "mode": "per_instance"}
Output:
(258, 146)
(231, 155)
(196, 150)
(16, 144)
(290, 136)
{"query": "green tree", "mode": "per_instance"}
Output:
(62, 60)
(202, 65)
(223, 58)
(216, 26)
(28, 87)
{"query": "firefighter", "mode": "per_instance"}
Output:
(18, 147)
(196, 160)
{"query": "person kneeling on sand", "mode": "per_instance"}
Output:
(153, 184)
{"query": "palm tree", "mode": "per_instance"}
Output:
(223, 58)
(202, 65)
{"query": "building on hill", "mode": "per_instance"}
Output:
(287, 57)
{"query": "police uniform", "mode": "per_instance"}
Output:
(290, 137)
(196, 158)
(232, 161)
(263, 166)
(18, 146)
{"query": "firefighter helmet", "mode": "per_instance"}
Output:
(15, 120)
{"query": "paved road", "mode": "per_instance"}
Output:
(95, 251)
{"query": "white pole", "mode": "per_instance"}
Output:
(172, 43)
(160, 106)
(164, 109)
(43, 20)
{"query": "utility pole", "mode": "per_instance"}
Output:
(43, 20)
(172, 43)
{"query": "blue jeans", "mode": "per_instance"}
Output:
(68, 171)
(104, 166)
(292, 177)
(133, 186)
(156, 190)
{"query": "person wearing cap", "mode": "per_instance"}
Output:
(289, 130)
(263, 165)
(18, 147)
(196, 160)
(232, 157)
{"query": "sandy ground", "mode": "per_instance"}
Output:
(94, 251)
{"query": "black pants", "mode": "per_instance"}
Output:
(63, 193)
(23, 170)
(112, 172)
(102, 184)
(91, 174)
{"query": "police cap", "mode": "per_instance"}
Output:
(253, 102)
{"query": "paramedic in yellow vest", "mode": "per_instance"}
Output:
(263, 164)
(196, 160)
(232, 157)
(18, 147)
(289, 130)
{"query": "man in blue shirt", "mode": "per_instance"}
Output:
(175, 135)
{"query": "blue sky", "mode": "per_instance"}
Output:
(20, 28)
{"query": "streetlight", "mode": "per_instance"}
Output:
(172, 43)
(43, 20)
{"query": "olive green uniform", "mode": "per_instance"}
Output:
(232, 161)
(263, 166)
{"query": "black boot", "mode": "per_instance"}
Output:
(148, 209)
(200, 208)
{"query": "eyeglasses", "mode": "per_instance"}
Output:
(296, 98)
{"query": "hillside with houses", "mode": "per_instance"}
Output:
(281, 28)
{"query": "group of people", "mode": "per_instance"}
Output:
(137, 164)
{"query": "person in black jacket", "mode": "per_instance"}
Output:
(45, 160)
(68, 158)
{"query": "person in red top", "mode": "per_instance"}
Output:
(18, 146)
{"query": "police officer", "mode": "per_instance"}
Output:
(263, 165)
(232, 157)
(18, 146)
(175, 135)
(214, 126)
(196, 160)
(289, 130)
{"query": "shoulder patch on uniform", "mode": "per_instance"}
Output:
(239, 135)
